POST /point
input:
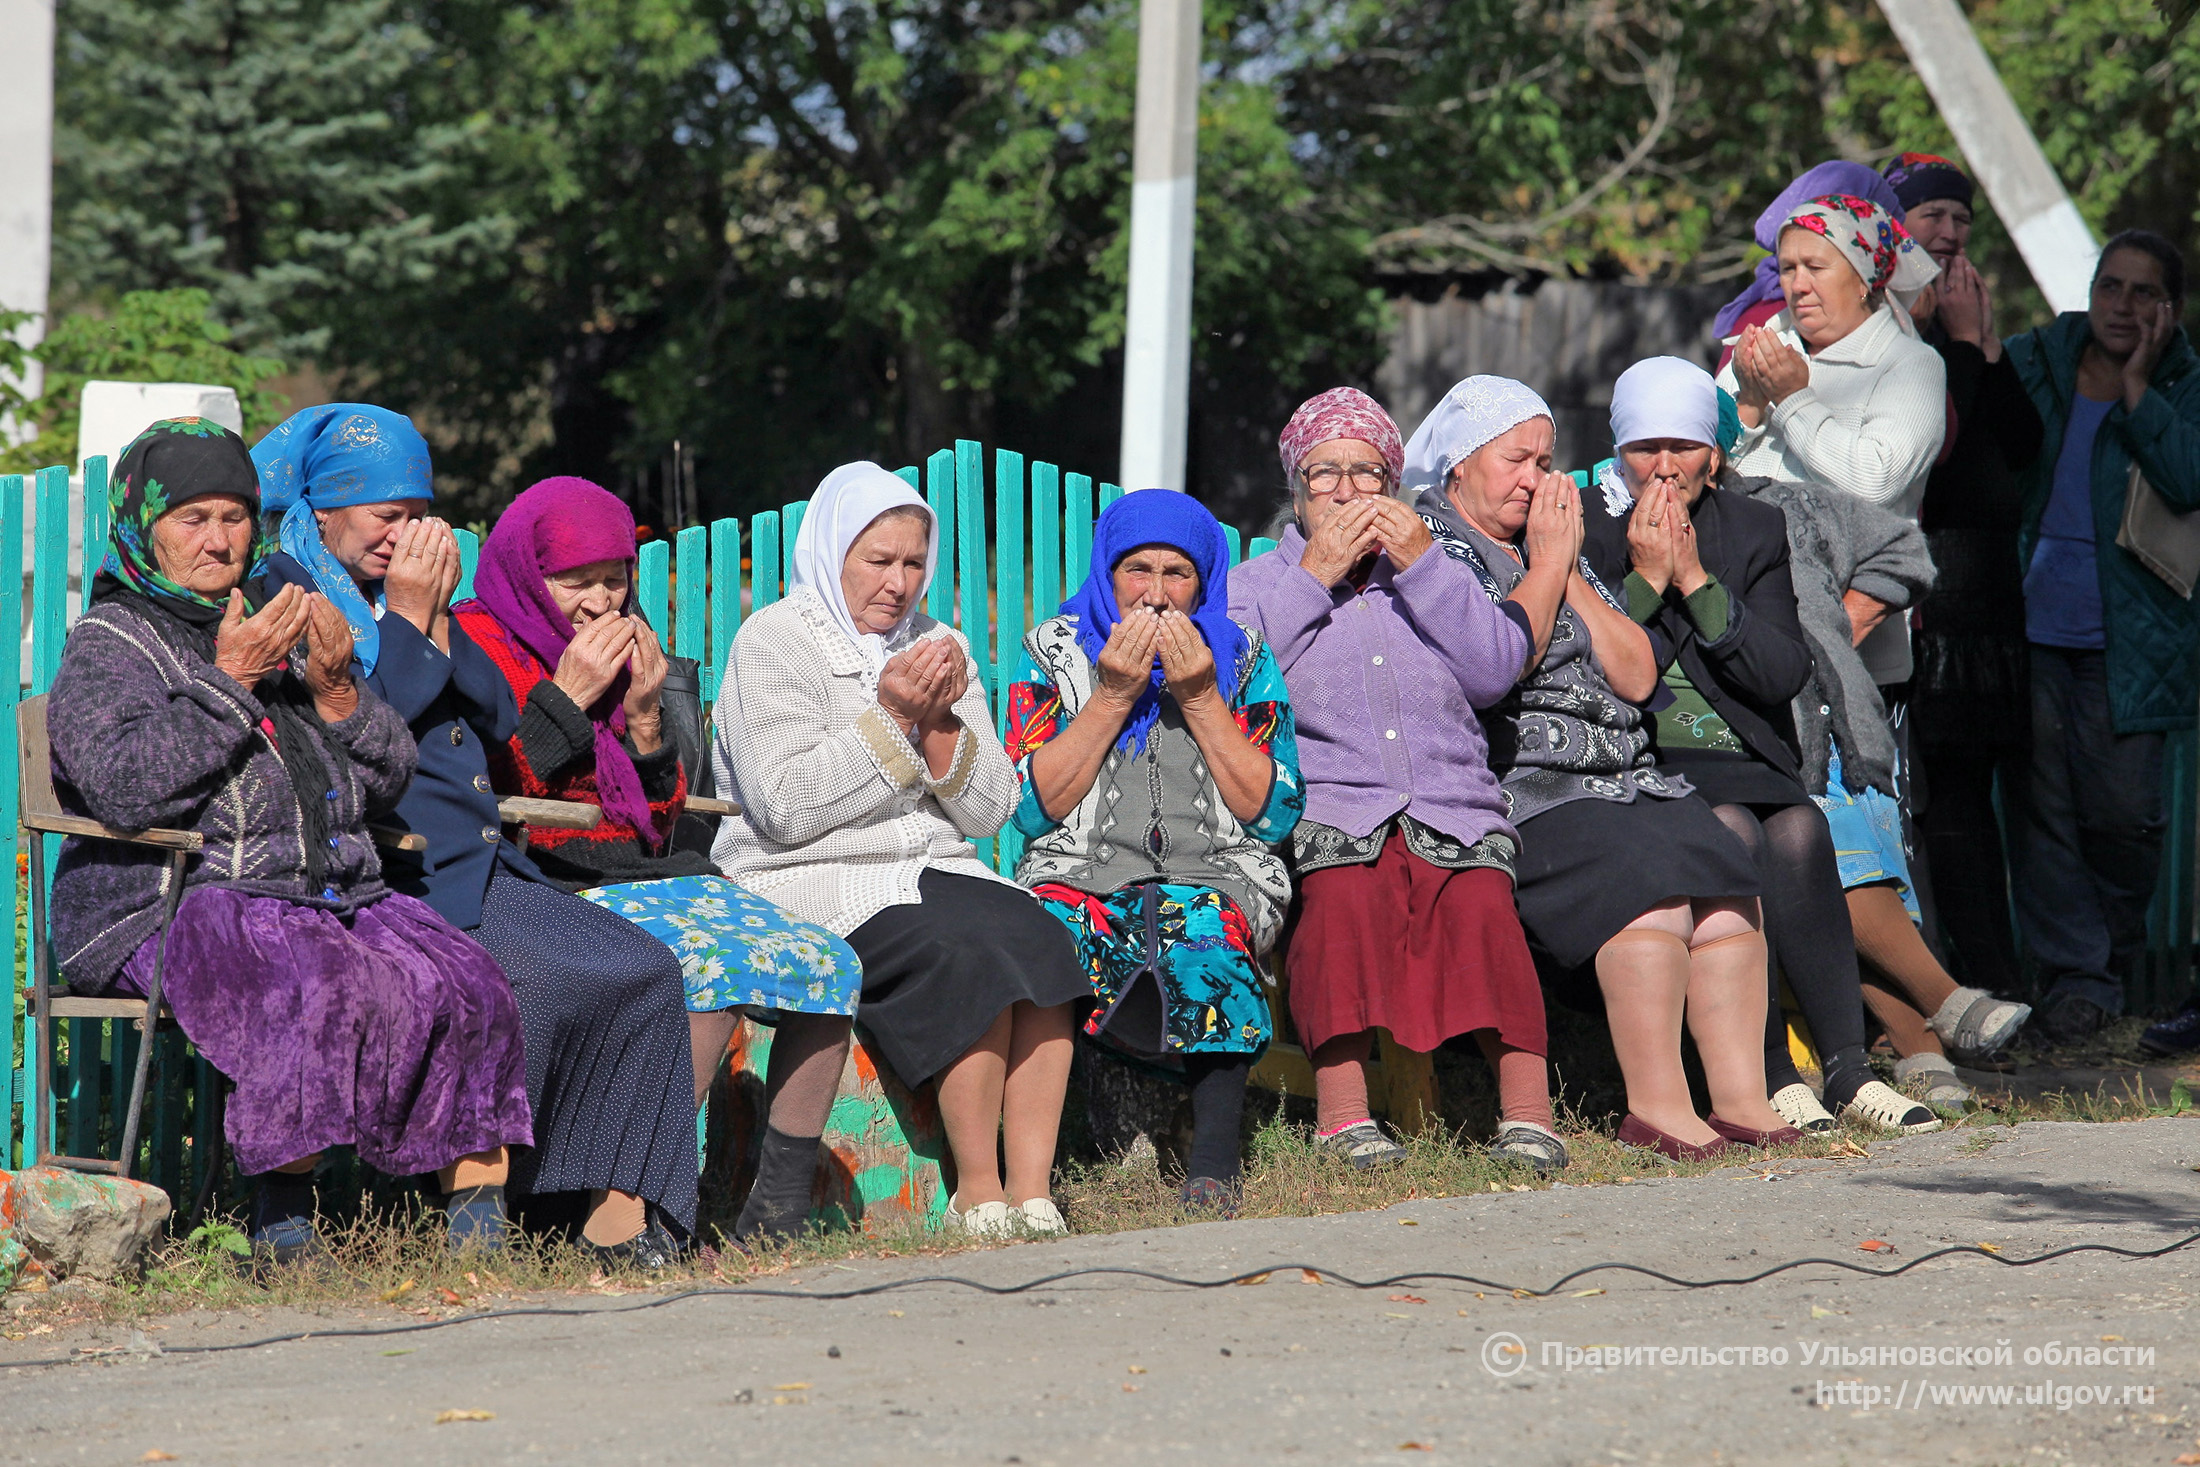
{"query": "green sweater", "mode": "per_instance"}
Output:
(1689, 721)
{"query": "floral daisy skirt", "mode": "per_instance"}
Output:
(736, 949)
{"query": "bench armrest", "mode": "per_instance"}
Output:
(550, 814)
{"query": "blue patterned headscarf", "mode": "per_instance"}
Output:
(327, 457)
(1159, 517)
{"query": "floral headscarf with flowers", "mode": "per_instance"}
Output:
(175, 460)
(1874, 243)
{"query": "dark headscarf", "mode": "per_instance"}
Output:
(171, 463)
(1159, 517)
(1920, 178)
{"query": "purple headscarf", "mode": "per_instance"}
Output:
(1827, 178)
(551, 528)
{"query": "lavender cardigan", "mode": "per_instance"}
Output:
(146, 732)
(1384, 682)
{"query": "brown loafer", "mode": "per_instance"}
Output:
(1640, 1134)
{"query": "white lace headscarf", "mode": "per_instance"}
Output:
(840, 511)
(1472, 414)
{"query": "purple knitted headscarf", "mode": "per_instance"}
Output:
(1827, 178)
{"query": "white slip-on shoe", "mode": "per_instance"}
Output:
(1880, 1104)
(994, 1222)
(1800, 1108)
(1042, 1219)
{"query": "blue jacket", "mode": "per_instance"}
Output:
(458, 708)
(2153, 636)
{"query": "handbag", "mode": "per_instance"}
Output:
(1138, 1020)
(2160, 538)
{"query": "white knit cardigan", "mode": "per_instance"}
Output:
(1870, 423)
(840, 813)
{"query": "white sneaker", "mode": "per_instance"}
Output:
(1042, 1219)
(1799, 1106)
(1880, 1104)
(994, 1222)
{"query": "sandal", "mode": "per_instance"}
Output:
(1930, 1078)
(1975, 1025)
(1530, 1145)
(1881, 1105)
(1364, 1145)
(1800, 1108)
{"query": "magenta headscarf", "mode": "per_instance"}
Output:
(552, 527)
(1826, 178)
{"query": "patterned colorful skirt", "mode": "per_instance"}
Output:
(738, 950)
(1867, 835)
(1217, 1003)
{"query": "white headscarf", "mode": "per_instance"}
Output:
(840, 511)
(1665, 397)
(1472, 414)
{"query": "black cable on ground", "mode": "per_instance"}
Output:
(1251, 1275)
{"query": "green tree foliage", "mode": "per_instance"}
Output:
(151, 336)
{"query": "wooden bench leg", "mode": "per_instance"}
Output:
(1408, 1083)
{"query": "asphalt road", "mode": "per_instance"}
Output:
(1108, 1369)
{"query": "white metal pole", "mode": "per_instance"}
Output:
(26, 175)
(2057, 244)
(1157, 346)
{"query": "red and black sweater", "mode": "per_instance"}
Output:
(553, 757)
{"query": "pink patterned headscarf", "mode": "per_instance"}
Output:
(1341, 412)
(1872, 240)
(552, 527)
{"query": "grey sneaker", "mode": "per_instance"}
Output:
(1364, 1145)
(1975, 1025)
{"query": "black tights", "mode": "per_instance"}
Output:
(1218, 1107)
(1807, 925)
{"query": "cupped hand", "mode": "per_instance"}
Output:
(911, 684)
(1341, 541)
(1688, 572)
(1650, 535)
(645, 666)
(595, 657)
(1400, 532)
(424, 571)
(248, 648)
(328, 660)
(1966, 308)
(1126, 662)
(1773, 370)
(1187, 663)
(1554, 530)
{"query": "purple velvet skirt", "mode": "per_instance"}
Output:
(390, 1031)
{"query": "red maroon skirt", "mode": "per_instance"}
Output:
(1422, 951)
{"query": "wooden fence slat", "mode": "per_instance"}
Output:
(469, 556)
(653, 572)
(1011, 619)
(691, 583)
(939, 492)
(725, 601)
(1046, 541)
(790, 529)
(95, 527)
(1109, 493)
(1230, 533)
(911, 475)
(1076, 529)
(763, 560)
(15, 1124)
(1261, 546)
(972, 582)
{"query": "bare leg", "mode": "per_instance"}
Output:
(1523, 1079)
(1889, 941)
(613, 1218)
(708, 1035)
(1904, 1024)
(970, 1109)
(1643, 970)
(1726, 1011)
(1039, 1052)
(482, 1169)
(303, 1165)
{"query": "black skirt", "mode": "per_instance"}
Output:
(609, 1069)
(1734, 779)
(1587, 868)
(939, 971)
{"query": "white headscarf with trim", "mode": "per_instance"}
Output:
(845, 504)
(1473, 413)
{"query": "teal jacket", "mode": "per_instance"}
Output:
(2153, 636)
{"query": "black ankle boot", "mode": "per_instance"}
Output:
(778, 1205)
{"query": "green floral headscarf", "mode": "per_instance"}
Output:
(175, 460)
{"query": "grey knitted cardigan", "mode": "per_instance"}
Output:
(146, 732)
(1837, 542)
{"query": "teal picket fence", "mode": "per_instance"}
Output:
(1014, 539)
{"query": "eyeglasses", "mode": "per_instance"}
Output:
(1324, 480)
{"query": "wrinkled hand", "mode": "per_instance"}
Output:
(594, 659)
(248, 648)
(1341, 541)
(1688, 572)
(1126, 662)
(645, 681)
(918, 687)
(2155, 329)
(1770, 370)
(1554, 530)
(1966, 308)
(423, 573)
(1400, 532)
(328, 660)
(1650, 536)
(1865, 613)
(1187, 663)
